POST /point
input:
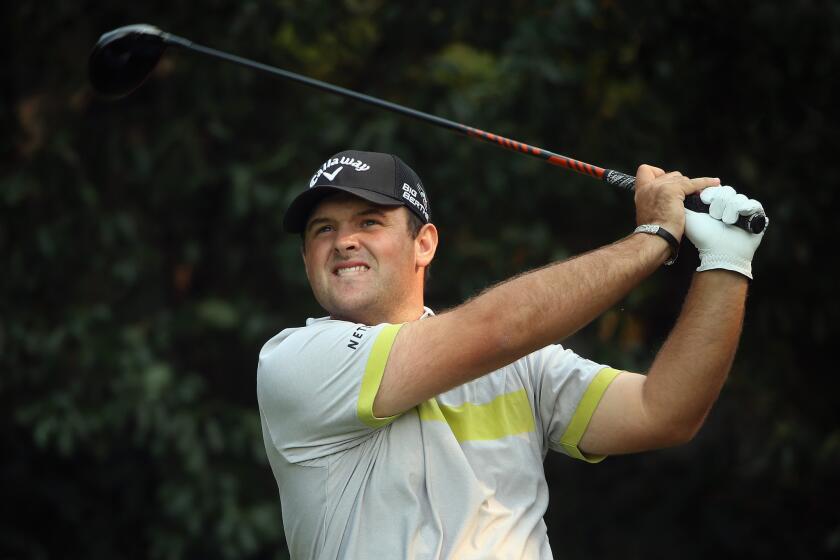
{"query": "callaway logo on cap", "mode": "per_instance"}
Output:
(380, 178)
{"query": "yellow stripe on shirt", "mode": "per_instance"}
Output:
(372, 377)
(506, 415)
(583, 414)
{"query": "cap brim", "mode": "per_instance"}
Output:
(295, 218)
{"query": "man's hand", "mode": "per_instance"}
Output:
(720, 244)
(659, 197)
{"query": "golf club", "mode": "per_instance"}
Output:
(122, 59)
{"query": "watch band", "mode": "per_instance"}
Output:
(656, 229)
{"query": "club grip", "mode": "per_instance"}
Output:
(752, 224)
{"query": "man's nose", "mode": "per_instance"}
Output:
(346, 240)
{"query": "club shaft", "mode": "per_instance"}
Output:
(507, 143)
(618, 179)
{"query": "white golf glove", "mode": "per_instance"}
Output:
(720, 244)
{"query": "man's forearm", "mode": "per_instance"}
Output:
(549, 304)
(690, 369)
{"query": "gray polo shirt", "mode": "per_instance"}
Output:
(458, 476)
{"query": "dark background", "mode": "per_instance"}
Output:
(144, 263)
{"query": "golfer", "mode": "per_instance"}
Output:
(394, 432)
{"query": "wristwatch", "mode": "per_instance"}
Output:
(656, 229)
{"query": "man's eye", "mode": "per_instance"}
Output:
(368, 223)
(323, 229)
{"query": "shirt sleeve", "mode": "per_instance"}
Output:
(568, 390)
(316, 387)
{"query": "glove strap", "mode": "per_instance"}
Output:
(656, 229)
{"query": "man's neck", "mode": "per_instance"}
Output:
(405, 315)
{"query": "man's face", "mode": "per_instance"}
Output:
(360, 259)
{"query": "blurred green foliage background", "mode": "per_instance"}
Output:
(144, 263)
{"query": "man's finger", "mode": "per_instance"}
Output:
(646, 173)
(697, 184)
(730, 213)
(718, 203)
(750, 207)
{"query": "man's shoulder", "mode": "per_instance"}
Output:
(291, 335)
(318, 336)
(320, 340)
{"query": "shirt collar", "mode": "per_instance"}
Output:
(312, 320)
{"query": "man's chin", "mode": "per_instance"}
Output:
(355, 312)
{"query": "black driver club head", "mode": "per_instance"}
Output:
(122, 59)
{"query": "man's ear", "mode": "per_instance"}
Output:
(425, 245)
(303, 257)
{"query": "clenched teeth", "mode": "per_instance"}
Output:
(351, 270)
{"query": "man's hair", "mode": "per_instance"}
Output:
(415, 224)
